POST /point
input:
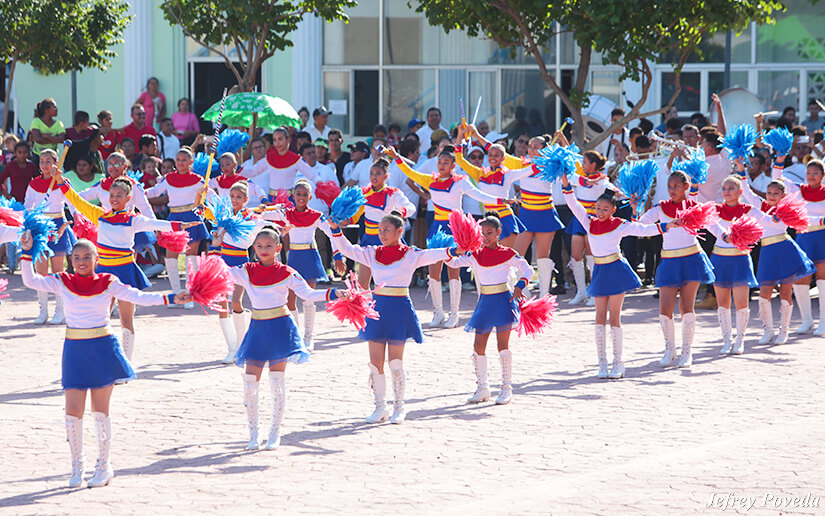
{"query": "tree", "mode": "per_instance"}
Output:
(631, 33)
(55, 36)
(255, 29)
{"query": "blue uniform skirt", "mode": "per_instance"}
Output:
(782, 262)
(510, 224)
(678, 272)
(272, 340)
(144, 239)
(128, 274)
(733, 271)
(398, 321)
(493, 311)
(94, 363)
(234, 256)
(308, 264)
(575, 227)
(196, 233)
(540, 221)
(812, 244)
(443, 224)
(64, 244)
(610, 279)
(370, 240)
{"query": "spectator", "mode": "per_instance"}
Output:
(519, 147)
(127, 147)
(758, 179)
(319, 129)
(634, 133)
(81, 135)
(414, 125)
(322, 151)
(153, 102)
(167, 139)
(621, 135)
(483, 128)
(303, 114)
(690, 135)
(359, 151)
(16, 175)
(80, 129)
(110, 136)
(798, 170)
(302, 138)
(670, 114)
(394, 134)
(322, 173)
(379, 131)
(46, 130)
(167, 166)
(788, 118)
(9, 142)
(85, 175)
(185, 122)
(337, 154)
(673, 127)
(645, 125)
(258, 148)
(433, 124)
(698, 120)
(814, 122)
(149, 170)
(138, 127)
(148, 146)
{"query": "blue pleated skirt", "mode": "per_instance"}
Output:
(234, 261)
(733, 271)
(370, 240)
(812, 244)
(540, 221)
(575, 227)
(94, 363)
(493, 311)
(398, 321)
(196, 233)
(610, 279)
(144, 239)
(510, 224)
(128, 274)
(782, 262)
(272, 341)
(308, 264)
(64, 244)
(443, 224)
(678, 272)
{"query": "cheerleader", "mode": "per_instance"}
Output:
(42, 189)
(393, 265)
(116, 168)
(229, 177)
(497, 308)
(682, 268)
(93, 358)
(611, 277)
(446, 189)
(273, 337)
(281, 164)
(183, 188)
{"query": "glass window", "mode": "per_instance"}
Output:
(779, 90)
(606, 84)
(407, 94)
(688, 99)
(816, 86)
(482, 84)
(713, 49)
(797, 36)
(452, 84)
(527, 103)
(336, 93)
(355, 42)
(365, 110)
(716, 82)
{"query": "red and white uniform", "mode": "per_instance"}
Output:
(492, 266)
(727, 214)
(302, 234)
(182, 189)
(223, 185)
(380, 203)
(282, 170)
(100, 191)
(269, 286)
(38, 190)
(676, 238)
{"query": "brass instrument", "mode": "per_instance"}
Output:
(672, 144)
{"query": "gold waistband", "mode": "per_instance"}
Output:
(270, 313)
(58, 215)
(604, 260)
(392, 291)
(775, 239)
(679, 253)
(815, 228)
(87, 333)
(181, 209)
(494, 289)
(728, 251)
(300, 247)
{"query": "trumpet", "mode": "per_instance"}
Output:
(672, 144)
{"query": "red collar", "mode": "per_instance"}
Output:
(728, 213)
(445, 185)
(767, 208)
(86, 286)
(302, 219)
(178, 180)
(378, 198)
(106, 183)
(812, 194)
(487, 257)
(493, 177)
(263, 276)
(225, 181)
(670, 208)
(120, 217)
(279, 161)
(389, 255)
(40, 184)
(598, 227)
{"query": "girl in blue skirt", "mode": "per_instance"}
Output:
(392, 264)
(497, 308)
(93, 359)
(612, 276)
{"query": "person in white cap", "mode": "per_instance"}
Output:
(318, 128)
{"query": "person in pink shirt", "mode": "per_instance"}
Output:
(185, 122)
(153, 101)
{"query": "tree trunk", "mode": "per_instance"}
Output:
(7, 100)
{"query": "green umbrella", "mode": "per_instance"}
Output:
(250, 109)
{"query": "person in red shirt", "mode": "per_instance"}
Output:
(138, 127)
(111, 137)
(19, 172)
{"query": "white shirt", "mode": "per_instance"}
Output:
(760, 183)
(315, 133)
(262, 180)
(424, 133)
(168, 146)
(429, 167)
(796, 173)
(281, 280)
(608, 150)
(660, 184)
(361, 172)
(322, 173)
(397, 179)
(719, 169)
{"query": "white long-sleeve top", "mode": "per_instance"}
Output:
(586, 194)
(771, 226)
(261, 180)
(606, 236)
(322, 173)
(282, 170)
(492, 265)
(182, 189)
(9, 233)
(814, 197)
(38, 190)
(727, 214)
(269, 286)
(223, 185)
(665, 211)
(383, 201)
(496, 182)
(100, 191)
(86, 299)
(265, 219)
(304, 223)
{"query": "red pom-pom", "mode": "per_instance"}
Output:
(697, 217)
(3, 284)
(744, 233)
(282, 198)
(10, 217)
(356, 308)
(327, 191)
(212, 283)
(84, 228)
(466, 231)
(792, 211)
(536, 315)
(175, 241)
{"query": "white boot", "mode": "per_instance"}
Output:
(820, 285)
(482, 393)
(545, 266)
(191, 265)
(229, 335)
(278, 388)
(766, 314)
(438, 303)
(688, 329)
(250, 401)
(591, 265)
(601, 352)
(103, 470)
(58, 317)
(617, 371)
(578, 276)
(669, 331)
(378, 383)
(43, 301)
(742, 317)
(802, 293)
(505, 356)
(173, 274)
(785, 310)
(455, 303)
(725, 325)
(309, 325)
(241, 323)
(74, 434)
(399, 384)
(294, 314)
(128, 341)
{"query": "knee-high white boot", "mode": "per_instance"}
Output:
(378, 384)
(241, 322)
(74, 434)
(483, 388)
(742, 317)
(545, 266)
(438, 303)
(505, 394)
(250, 401)
(43, 301)
(58, 317)
(399, 385)
(802, 293)
(669, 331)
(231, 338)
(617, 371)
(278, 388)
(103, 470)
(455, 303)
(578, 276)
(820, 329)
(601, 352)
(725, 326)
(128, 340)
(309, 325)
(173, 274)
(688, 330)
(785, 311)
(766, 314)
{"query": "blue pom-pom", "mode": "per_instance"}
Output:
(234, 224)
(201, 162)
(440, 239)
(555, 161)
(740, 141)
(134, 174)
(347, 204)
(232, 140)
(11, 204)
(696, 168)
(42, 228)
(636, 179)
(780, 139)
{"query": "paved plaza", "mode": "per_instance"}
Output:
(672, 441)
